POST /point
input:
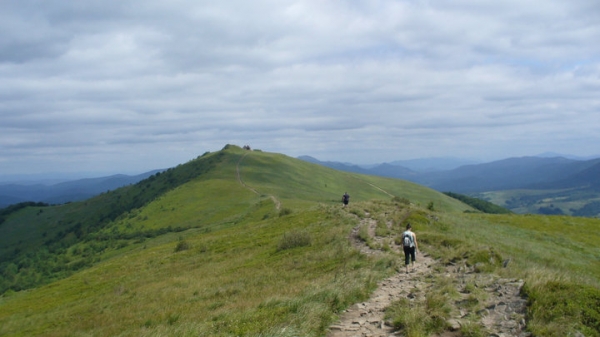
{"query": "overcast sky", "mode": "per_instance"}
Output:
(129, 86)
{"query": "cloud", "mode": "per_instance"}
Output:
(134, 85)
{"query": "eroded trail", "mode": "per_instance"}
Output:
(368, 318)
(239, 178)
(501, 314)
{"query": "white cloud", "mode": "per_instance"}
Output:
(134, 85)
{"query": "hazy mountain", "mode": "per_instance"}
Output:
(544, 172)
(517, 173)
(506, 174)
(568, 156)
(336, 165)
(545, 185)
(81, 189)
(581, 175)
(434, 164)
(416, 165)
(393, 171)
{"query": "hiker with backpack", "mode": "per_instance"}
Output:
(410, 246)
(345, 199)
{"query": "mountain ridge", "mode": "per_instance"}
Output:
(107, 217)
(544, 172)
(246, 243)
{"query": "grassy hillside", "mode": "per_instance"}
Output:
(247, 243)
(43, 244)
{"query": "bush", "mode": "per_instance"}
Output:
(411, 318)
(401, 200)
(294, 239)
(485, 260)
(285, 211)
(363, 234)
(182, 245)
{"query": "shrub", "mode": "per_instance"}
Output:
(172, 319)
(363, 234)
(471, 329)
(182, 245)
(382, 229)
(294, 239)
(285, 211)
(412, 320)
(401, 200)
(359, 213)
(485, 260)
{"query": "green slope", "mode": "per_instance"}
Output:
(248, 243)
(42, 244)
(294, 180)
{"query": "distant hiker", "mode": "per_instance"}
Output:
(345, 199)
(409, 243)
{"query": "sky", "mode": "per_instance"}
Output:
(130, 86)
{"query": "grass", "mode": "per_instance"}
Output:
(239, 283)
(548, 252)
(239, 266)
(555, 255)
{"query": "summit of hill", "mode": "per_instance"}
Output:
(243, 242)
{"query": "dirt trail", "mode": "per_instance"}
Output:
(502, 314)
(367, 318)
(239, 178)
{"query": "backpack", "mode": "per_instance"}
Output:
(407, 240)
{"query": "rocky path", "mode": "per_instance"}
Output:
(367, 318)
(500, 312)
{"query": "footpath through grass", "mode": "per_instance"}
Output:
(557, 256)
(192, 252)
(287, 275)
(238, 281)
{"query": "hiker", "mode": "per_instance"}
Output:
(409, 243)
(345, 199)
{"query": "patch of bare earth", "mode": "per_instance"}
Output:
(501, 314)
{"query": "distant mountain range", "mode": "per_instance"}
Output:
(539, 184)
(507, 174)
(81, 189)
(547, 185)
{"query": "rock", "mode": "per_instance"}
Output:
(360, 321)
(483, 312)
(454, 324)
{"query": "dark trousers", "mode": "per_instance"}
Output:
(409, 252)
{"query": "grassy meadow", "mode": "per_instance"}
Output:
(257, 244)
